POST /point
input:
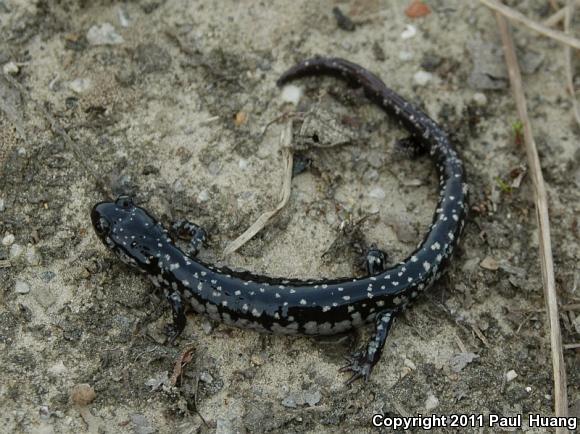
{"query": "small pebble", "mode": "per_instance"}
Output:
(289, 402)
(371, 175)
(141, 424)
(21, 287)
(58, 368)
(312, 397)
(16, 250)
(79, 85)
(291, 94)
(203, 196)
(104, 34)
(160, 380)
(409, 32)
(240, 118)
(82, 394)
(2, 204)
(224, 426)
(422, 77)
(331, 221)
(8, 240)
(409, 364)
(206, 326)
(461, 360)
(306, 397)
(417, 9)
(489, 263)
(510, 375)
(214, 168)
(243, 164)
(11, 68)
(431, 402)
(206, 377)
(44, 412)
(32, 256)
(377, 193)
(479, 99)
(405, 55)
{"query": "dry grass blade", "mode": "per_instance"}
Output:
(556, 17)
(521, 18)
(568, 59)
(541, 201)
(262, 221)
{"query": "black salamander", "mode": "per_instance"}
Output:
(290, 306)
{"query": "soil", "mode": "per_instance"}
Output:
(174, 102)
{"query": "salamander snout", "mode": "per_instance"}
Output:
(101, 219)
(106, 215)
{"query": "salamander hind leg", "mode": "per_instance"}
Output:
(197, 236)
(362, 362)
(174, 329)
(375, 260)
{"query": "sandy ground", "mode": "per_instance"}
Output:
(168, 102)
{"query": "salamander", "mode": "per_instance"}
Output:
(292, 306)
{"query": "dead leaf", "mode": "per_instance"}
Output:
(184, 359)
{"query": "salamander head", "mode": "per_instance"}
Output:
(129, 231)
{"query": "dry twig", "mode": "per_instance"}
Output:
(568, 59)
(58, 130)
(541, 201)
(262, 221)
(556, 17)
(521, 18)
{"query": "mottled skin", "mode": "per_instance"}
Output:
(290, 306)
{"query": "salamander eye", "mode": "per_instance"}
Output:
(124, 201)
(102, 226)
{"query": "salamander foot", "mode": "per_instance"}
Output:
(362, 362)
(375, 260)
(174, 329)
(197, 236)
(412, 146)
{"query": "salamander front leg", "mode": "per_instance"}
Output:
(375, 260)
(173, 330)
(412, 146)
(362, 362)
(197, 236)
